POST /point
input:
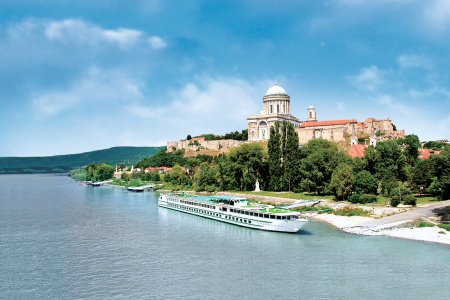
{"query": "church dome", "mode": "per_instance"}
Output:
(276, 90)
(311, 107)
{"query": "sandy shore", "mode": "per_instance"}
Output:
(398, 230)
(402, 229)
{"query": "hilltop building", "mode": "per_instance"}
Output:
(276, 107)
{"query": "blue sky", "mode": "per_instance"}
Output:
(95, 74)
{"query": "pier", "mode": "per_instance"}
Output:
(141, 188)
(98, 183)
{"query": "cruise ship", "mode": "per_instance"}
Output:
(235, 210)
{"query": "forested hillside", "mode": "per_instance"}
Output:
(64, 163)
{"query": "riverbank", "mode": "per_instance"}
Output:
(401, 229)
(381, 221)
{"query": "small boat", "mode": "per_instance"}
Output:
(235, 210)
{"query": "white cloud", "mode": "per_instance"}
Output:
(95, 87)
(437, 15)
(369, 79)
(414, 61)
(86, 33)
(207, 105)
(122, 36)
(395, 106)
(157, 42)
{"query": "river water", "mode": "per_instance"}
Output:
(61, 240)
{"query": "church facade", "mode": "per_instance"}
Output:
(276, 107)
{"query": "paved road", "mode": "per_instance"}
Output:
(414, 214)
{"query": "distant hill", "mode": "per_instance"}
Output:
(65, 163)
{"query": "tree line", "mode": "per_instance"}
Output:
(320, 167)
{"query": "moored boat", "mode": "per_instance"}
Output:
(235, 210)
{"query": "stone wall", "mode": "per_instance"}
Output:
(331, 133)
(203, 145)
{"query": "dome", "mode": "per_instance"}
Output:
(311, 107)
(276, 90)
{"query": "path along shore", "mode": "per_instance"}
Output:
(393, 222)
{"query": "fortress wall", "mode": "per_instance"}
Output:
(207, 145)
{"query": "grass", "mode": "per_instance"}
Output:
(382, 201)
(351, 212)
(290, 195)
(444, 226)
(423, 224)
(318, 209)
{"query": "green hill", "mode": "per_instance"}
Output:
(65, 163)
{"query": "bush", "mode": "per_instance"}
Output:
(350, 212)
(409, 200)
(354, 198)
(211, 188)
(424, 224)
(403, 191)
(395, 201)
(367, 198)
(444, 226)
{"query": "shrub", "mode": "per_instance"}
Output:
(444, 226)
(403, 191)
(354, 198)
(424, 224)
(395, 201)
(350, 212)
(409, 200)
(367, 198)
(211, 188)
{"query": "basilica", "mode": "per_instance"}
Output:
(276, 108)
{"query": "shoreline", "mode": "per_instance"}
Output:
(400, 229)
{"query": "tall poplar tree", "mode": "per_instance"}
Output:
(290, 155)
(274, 151)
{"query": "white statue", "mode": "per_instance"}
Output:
(257, 186)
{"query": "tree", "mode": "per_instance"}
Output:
(239, 169)
(290, 155)
(441, 166)
(342, 181)
(275, 163)
(320, 159)
(389, 159)
(410, 145)
(205, 178)
(365, 183)
(178, 175)
(422, 175)
(189, 137)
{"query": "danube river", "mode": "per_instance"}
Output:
(61, 240)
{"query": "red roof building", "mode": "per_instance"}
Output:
(425, 153)
(357, 150)
(327, 123)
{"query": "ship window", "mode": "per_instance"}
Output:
(249, 222)
(272, 217)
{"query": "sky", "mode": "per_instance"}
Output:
(85, 75)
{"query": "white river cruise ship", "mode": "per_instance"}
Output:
(235, 210)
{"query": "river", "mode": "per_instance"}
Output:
(62, 240)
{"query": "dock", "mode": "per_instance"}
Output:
(141, 188)
(97, 183)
